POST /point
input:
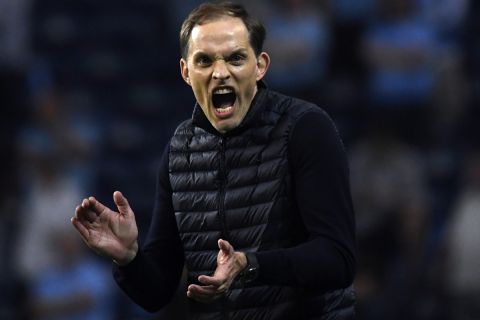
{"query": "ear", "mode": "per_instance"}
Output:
(263, 61)
(184, 70)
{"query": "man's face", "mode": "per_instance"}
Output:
(223, 71)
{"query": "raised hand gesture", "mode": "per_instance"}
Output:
(229, 264)
(109, 233)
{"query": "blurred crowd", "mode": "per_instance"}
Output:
(91, 92)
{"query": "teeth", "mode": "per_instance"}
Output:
(222, 91)
(223, 110)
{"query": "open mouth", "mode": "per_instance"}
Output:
(223, 100)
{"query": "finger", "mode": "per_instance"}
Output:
(85, 204)
(199, 296)
(211, 281)
(122, 203)
(211, 289)
(96, 205)
(80, 228)
(85, 213)
(78, 211)
(220, 283)
(202, 290)
(204, 294)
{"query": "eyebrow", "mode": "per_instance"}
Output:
(239, 51)
(201, 53)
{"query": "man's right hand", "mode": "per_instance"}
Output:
(109, 233)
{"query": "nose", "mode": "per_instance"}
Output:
(220, 70)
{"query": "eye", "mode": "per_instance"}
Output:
(203, 61)
(236, 59)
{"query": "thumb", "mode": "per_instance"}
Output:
(122, 203)
(225, 246)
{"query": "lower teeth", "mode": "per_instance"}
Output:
(223, 110)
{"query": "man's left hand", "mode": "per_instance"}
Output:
(229, 264)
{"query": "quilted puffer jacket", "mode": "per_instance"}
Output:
(238, 187)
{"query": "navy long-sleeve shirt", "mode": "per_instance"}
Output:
(321, 185)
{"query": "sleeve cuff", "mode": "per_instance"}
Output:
(133, 268)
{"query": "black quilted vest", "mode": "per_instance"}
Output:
(238, 187)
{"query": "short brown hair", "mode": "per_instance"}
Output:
(209, 11)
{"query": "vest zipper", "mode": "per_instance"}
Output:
(221, 210)
(223, 184)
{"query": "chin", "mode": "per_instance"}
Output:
(224, 128)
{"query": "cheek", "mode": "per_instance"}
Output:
(199, 96)
(198, 87)
(199, 83)
(248, 87)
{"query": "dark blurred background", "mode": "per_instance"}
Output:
(91, 92)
